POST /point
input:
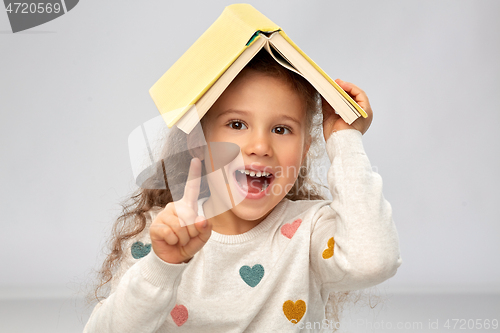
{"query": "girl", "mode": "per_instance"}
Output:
(270, 263)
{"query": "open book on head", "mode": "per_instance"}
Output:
(185, 93)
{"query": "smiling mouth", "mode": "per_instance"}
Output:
(253, 181)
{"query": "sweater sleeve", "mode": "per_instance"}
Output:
(142, 298)
(354, 242)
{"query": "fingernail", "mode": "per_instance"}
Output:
(204, 224)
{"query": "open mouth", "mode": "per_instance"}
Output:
(252, 181)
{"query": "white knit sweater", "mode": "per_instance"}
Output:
(275, 277)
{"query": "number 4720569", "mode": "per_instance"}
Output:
(32, 8)
(464, 324)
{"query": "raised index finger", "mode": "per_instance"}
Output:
(192, 188)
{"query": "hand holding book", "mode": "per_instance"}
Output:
(332, 122)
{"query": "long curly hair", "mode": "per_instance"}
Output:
(133, 219)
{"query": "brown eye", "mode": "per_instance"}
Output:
(237, 125)
(281, 130)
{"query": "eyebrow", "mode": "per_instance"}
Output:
(246, 113)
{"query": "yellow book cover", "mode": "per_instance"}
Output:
(206, 60)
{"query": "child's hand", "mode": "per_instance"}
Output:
(332, 122)
(175, 236)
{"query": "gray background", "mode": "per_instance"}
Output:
(73, 89)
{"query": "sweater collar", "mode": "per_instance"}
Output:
(252, 233)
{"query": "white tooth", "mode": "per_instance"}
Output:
(266, 174)
(252, 173)
(258, 174)
(247, 172)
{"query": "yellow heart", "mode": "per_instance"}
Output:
(294, 311)
(328, 253)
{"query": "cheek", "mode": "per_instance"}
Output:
(291, 165)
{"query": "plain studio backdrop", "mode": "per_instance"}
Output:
(72, 90)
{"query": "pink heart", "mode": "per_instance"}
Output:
(288, 230)
(179, 314)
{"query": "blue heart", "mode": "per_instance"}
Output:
(140, 250)
(252, 276)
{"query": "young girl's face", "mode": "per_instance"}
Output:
(265, 117)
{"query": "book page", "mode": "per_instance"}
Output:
(279, 57)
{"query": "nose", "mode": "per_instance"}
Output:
(258, 144)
